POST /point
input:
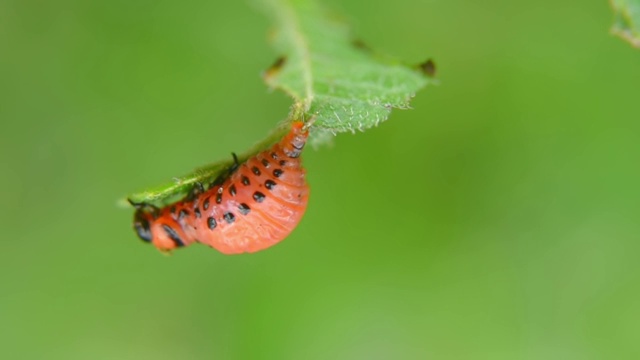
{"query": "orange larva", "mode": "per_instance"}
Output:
(256, 206)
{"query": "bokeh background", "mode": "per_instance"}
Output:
(498, 219)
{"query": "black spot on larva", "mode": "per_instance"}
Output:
(258, 196)
(197, 212)
(277, 172)
(173, 235)
(219, 180)
(229, 217)
(283, 162)
(197, 189)
(270, 184)
(244, 209)
(219, 198)
(265, 163)
(232, 190)
(245, 180)
(274, 156)
(183, 213)
(172, 209)
(255, 171)
(205, 204)
(211, 222)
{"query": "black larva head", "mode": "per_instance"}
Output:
(141, 225)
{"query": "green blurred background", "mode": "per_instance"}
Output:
(498, 219)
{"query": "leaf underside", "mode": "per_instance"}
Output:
(337, 83)
(627, 20)
(341, 83)
(173, 191)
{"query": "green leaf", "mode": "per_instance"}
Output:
(339, 84)
(627, 20)
(345, 87)
(173, 191)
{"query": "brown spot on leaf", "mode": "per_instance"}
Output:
(428, 68)
(274, 69)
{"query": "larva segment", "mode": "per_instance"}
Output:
(256, 206)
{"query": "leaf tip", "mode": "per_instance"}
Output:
(124, 203)
(274, 69)
(428, 68)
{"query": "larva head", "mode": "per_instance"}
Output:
(142, 225)
(164, 234)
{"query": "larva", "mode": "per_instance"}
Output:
(255, 206)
